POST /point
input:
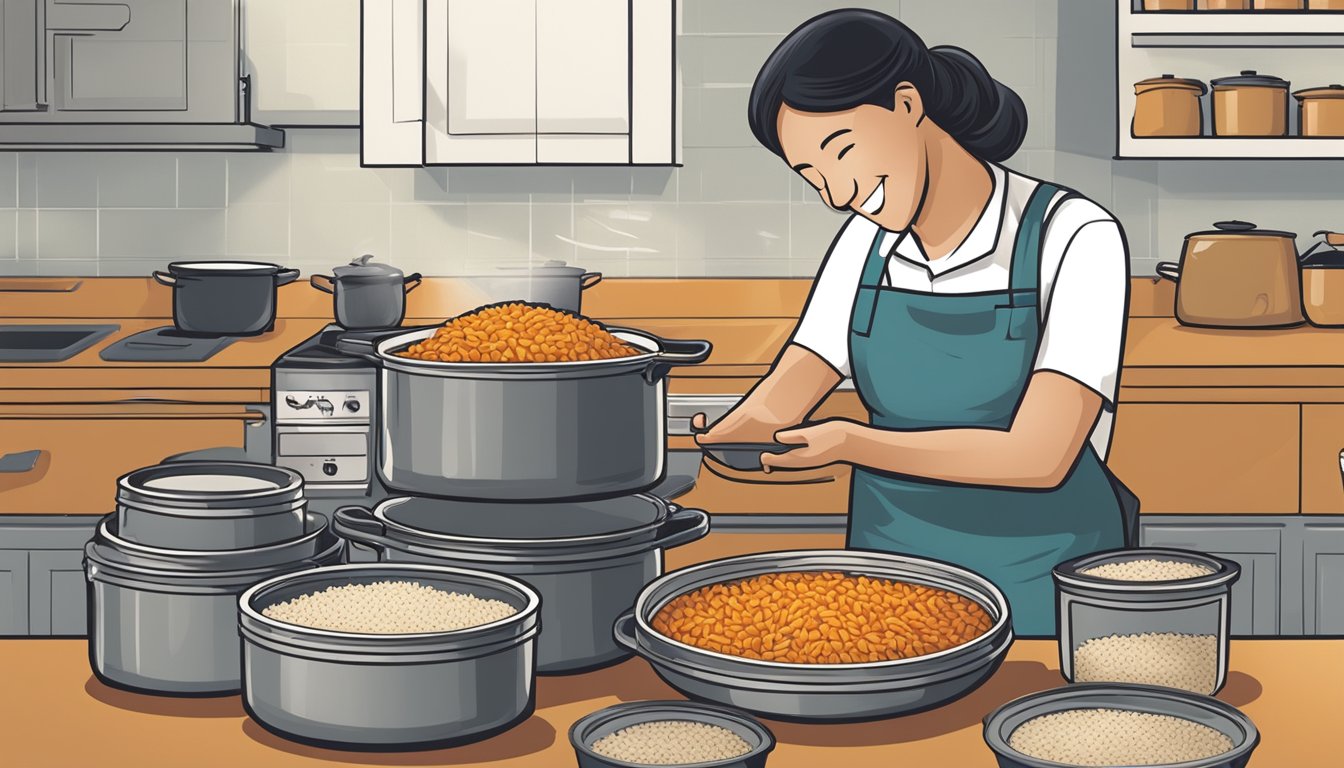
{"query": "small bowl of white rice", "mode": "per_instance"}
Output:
(670, 733)
(1119, 724)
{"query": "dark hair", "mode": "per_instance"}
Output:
(846, 58)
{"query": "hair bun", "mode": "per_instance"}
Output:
(982, 114)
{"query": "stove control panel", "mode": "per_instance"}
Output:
(310, 405)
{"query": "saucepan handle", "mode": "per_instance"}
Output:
(357, 525)
(286, 276)
(623, 632)
(412, 280)
(163, 278)
(1169, 270)
(682, 527)
(677, 352)
(323, 283)
(589, 279)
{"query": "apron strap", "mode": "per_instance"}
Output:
(876, 263)
(1024, 279)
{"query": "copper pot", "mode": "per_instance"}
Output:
(1321, 111)
(1250, 104)
(1168, 106)
(1323, 281)
(1224, 5)
(1279, 5)
(1237, 276)
(1168, 5)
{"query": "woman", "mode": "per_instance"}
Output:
(979, 312)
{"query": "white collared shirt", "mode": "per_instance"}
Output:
(1083, 284)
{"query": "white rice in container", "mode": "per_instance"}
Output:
(1189, 662)
(389, 608)
(1109, 737)
(671, 742)
(1147, 570)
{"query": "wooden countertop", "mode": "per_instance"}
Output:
(57, 715)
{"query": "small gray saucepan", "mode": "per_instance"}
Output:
(367, 296)
(740, 456)
(224, 298)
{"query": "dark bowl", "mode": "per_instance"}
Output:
(742, 456)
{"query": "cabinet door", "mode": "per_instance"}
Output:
(1214, 458)
(23, 70)
(13, 592)
(303, 61)
(56, 595)
(1323, 580)
(1322, 443)
(583, 81)
(392, 103)
(86, 448)
(1256, 607)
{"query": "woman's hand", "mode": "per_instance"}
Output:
(817, 445)
(737, 426)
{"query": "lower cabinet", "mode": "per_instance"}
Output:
(1323, 580)
(56, 594)
(13, 592)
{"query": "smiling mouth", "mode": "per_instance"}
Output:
(875, 202)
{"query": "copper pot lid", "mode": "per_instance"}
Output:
(1249, 78)
(1332, 91)
(1169, 81)
(1239, 229)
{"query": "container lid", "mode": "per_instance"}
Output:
(203, 268)
(548, 268)
(316, 537)
(1169, 81)
(1249, 78)
(487, 525)
(1332, 91)
(1221, 572)
(204, 487)
(363, 268)
(1240, 229)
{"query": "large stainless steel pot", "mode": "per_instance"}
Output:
(524, 431)
(399, 691)
(167, 623)
(586, 579)
(821, 692)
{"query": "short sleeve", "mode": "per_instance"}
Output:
(824, 325)
(1084, 327)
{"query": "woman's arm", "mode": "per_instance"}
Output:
(1037, 451)
(797, 382)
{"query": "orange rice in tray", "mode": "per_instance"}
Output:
(519, 333)
(822, 617)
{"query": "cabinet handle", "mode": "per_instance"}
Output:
(245, 416)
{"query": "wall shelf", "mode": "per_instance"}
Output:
(1230, 148)
(1222, 23)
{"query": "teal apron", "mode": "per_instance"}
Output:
(932, 361)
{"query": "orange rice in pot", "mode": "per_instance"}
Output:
(518, 332)
(822, 617)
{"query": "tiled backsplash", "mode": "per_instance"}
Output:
(732, 210)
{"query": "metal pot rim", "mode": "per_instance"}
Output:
(693, 577)
(315, 527)
(248, 612)
(214, 268)
(651, 345)
(288, 485)
(1070, 572)
(96, 552)
(669, 709)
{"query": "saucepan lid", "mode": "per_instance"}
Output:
(1332, 91)
(1239, 229)
(1249, 78)
(1169, 81)
(362, 267)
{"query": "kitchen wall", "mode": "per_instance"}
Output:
(732, 210)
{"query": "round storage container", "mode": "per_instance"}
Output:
(210, 505)
(588, 560)
(389, 691)
(1148, 616)
(166, 622)
(676, 722)
(1250, 104)
(1321, 111)
(1168, 106)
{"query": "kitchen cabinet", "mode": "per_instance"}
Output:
(1221, 458)
(13, 592)
(302, 61)
(98, 73)
(1322, 443)
(1323, 580)
(453, 82)
(86, 448)
(56, 594)
(1260, 604)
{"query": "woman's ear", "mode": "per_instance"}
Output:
(908, 101)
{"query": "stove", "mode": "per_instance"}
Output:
(325, 407)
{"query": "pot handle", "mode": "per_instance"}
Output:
(323, 283)
(1169, 270)
(286, 276)
(623, 632)
(163, 278)
(357, 525)
(412, 281)
(682, 527)
(677, 352)
(589, 279)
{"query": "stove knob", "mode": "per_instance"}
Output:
(329, 468)
(325, 407)
(351, 405)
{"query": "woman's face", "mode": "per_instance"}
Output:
(869, 160)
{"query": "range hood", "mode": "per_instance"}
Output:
(125, 75)
(219, 137)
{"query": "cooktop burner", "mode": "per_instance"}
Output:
(319, 351)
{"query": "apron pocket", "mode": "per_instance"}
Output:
(1018, 322)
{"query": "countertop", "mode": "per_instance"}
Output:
(56, 715)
